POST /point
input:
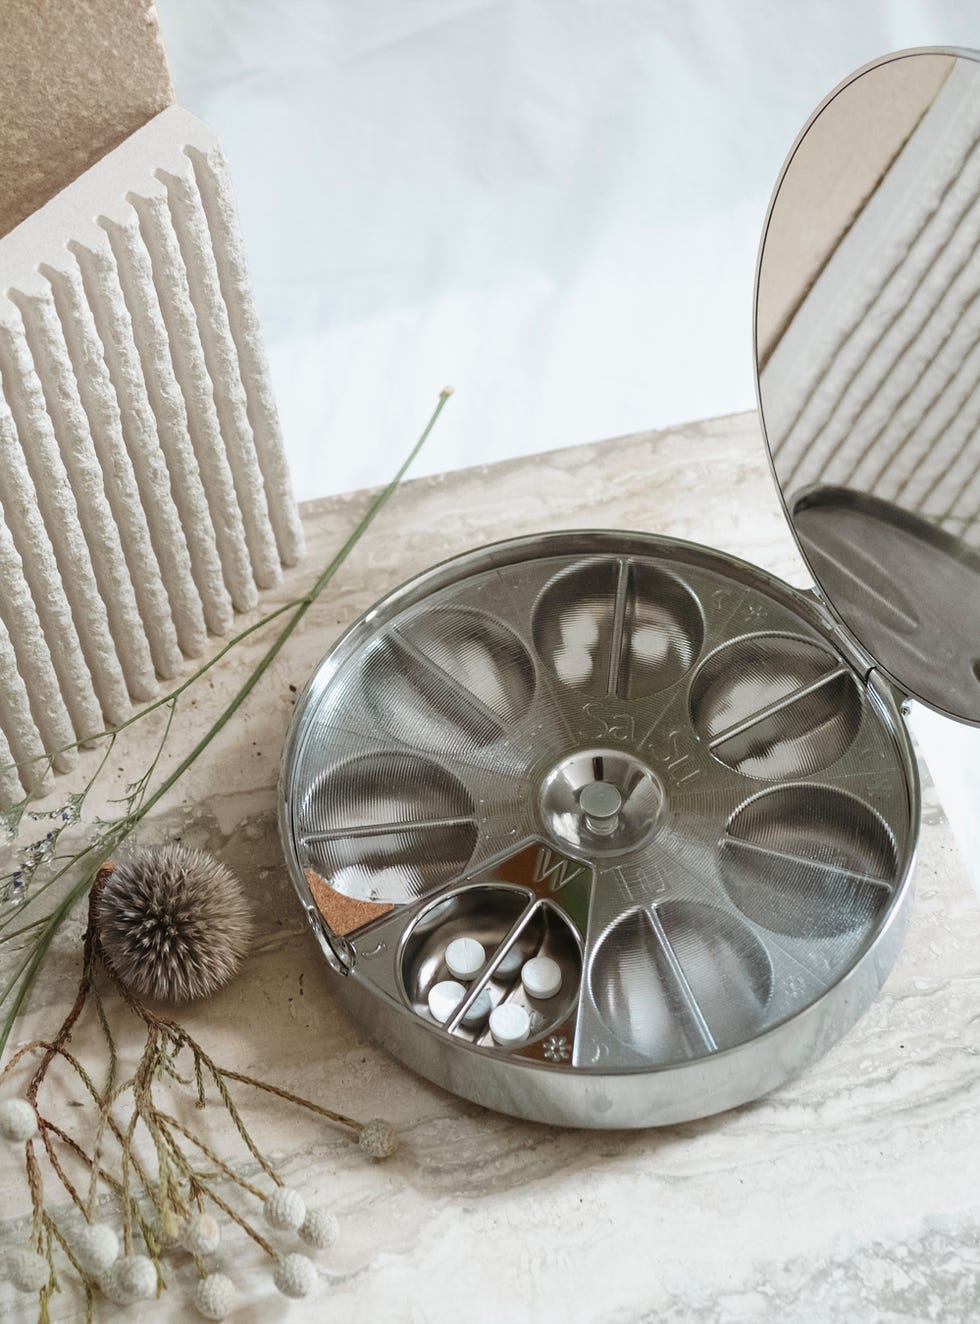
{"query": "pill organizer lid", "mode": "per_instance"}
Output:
(867, 345)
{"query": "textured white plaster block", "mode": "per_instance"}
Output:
(101, 280)
(121, 484)
(56, 502)
(80, 466)
(170, 411)
(180, 362)
(190, 225)
(19, 615)
(215, 191)
(17, 721)
(10, 787)
(144, 492)
(23, 518)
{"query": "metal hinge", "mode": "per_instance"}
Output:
(859, 658)
(339, 952)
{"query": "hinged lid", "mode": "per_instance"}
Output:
(867, 341)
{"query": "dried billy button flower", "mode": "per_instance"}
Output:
(173, 923)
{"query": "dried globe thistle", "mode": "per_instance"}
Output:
(173, 923)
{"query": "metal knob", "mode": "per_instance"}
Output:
(600, 802)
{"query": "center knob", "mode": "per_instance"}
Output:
(600, 802)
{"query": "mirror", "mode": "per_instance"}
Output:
(867, 336)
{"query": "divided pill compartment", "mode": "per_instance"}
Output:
(513, 926)
(766, 811)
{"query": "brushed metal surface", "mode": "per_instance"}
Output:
(743, 908)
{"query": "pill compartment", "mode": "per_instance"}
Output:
(680, 980)
(617, 625)
(809, 861)
(513, 925)
(387, 827)
(772, 706)
(448, 678)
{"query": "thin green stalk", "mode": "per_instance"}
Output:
(105, 847)
(185, 684)
(17, 933)
(137, 790)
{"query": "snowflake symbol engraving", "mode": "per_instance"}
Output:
(556, 1048)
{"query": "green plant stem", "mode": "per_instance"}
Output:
(117, 830)
(173, 694)
(112, 1182)
(18, 933)
(35, 960)
(88, 1282)
(105, 848)
(203, 1189)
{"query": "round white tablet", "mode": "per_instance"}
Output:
(541, 977)
(510, 1024)
(465, 957)
(444, 998)
(480, 1009)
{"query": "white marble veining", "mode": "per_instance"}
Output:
(851, 1194)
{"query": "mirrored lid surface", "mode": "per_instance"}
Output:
(867, 339)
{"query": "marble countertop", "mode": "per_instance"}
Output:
(853, 1193)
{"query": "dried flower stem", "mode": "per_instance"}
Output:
(112, 1182)
(241, 1222)
(179, 1184)
(317, 1108)
(208, 1152)
(88, 1282)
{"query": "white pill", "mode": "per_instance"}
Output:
(444, 998)
(510, 1024)
(465, 957)
(541, 977)
(480, 1009)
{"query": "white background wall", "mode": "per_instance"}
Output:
(554, 205)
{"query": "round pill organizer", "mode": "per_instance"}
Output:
(685, 783)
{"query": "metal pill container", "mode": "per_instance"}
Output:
(684, 782)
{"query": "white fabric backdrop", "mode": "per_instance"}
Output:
(553, 205)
